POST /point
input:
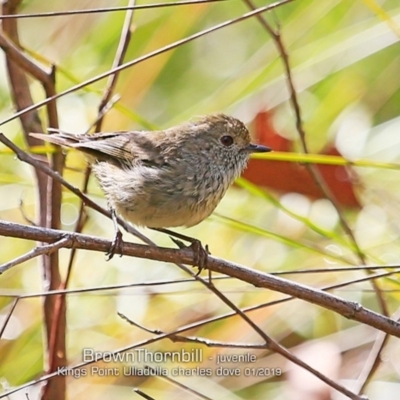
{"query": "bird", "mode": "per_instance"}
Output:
(166, 178)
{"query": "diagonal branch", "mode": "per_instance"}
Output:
(348, 309)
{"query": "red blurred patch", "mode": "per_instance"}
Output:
(294, 177)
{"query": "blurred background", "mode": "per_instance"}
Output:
(345, 62)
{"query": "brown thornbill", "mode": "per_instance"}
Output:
(167, 178)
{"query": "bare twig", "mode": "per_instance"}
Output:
(152, 54)
(37, 251)
(49, 190)
(108, 9)
(373, 361)
(348, 309)
(143, 328)
(143, 394)
(118, 60)
(7, 319)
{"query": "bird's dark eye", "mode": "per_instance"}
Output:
(227, 140)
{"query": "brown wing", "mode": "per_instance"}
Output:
(121, 147)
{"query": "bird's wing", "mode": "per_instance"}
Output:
(122, 147)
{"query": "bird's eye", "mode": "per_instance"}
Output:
(227, 140)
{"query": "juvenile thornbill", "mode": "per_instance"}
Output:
(166, 178)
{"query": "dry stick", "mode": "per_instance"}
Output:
(108, 9)
(124, 40)
(49, 190)
(7, 319)
(214, 343)
(172, 282)
(118, 60)
(143, 394)
(148, 56)
(348, 309)
(188, 280)
(314, 172)
(195, 339)
(37, 251)
(318, 179)
(373, 361)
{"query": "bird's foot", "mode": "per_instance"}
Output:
(116, 246)
(200, 253)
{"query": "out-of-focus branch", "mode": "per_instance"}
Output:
(148, 56)
(49, 190)
(313, 170)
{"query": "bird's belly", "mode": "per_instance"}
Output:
(165, 216)
(147, 197)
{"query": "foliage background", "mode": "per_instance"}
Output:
(345, 61)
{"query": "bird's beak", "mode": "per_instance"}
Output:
(257, 148)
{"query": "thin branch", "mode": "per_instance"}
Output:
(313, 170)
(348, 309)
(7, 319)
(118, 60)
(49, 190)
(37, 251)
(374, 358)
(193, 339)
(152, 54)
(143, 328)
(108, 9)
(143, 394)
(315, 174)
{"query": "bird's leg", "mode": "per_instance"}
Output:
(116, 245)
(200, 253)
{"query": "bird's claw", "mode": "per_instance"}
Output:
(116, 246)
(200, 253)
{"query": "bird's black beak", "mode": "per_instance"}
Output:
(257, 148)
